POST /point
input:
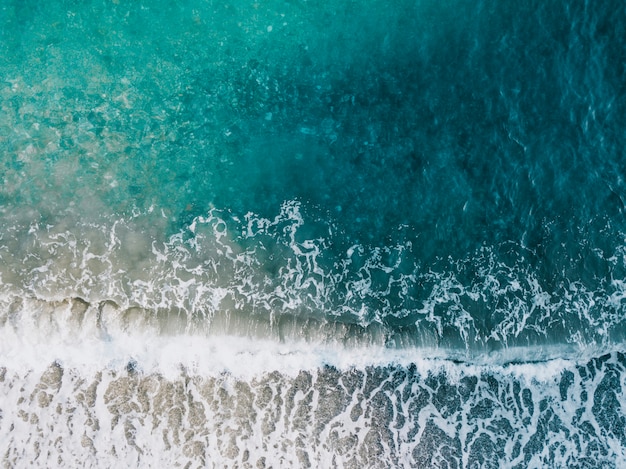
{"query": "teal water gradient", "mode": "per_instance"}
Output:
(458, 167)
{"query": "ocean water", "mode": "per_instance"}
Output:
(313, 234)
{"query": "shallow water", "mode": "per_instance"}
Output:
(418, 207)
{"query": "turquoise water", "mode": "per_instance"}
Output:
(423, 178)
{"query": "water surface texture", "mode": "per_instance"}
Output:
(313, 234)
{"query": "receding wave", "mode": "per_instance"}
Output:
(430, 413)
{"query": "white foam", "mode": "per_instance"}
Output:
(258, 281)
(39, 333)
(153, 387)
